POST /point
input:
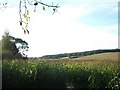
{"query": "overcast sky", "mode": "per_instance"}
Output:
(77, 26)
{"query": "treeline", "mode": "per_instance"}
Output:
(79, 54)
(12, 47)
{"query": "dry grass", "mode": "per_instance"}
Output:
(103, 56)
(109, 59)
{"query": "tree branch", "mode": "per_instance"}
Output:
(24, 14)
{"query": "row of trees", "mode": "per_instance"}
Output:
(79, 54)
(13, 48)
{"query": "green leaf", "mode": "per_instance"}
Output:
(36, 4)
(26, 26)
(26, 19)
(43, 8)
(20, 23)
(27, 12)
(27, 31)
(24, 31)
(24, 15)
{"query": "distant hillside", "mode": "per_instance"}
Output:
(79, 54)
(110, 56)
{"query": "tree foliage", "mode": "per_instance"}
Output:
(0, 50)
(13, 47)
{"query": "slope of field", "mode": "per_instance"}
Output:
(102, 56)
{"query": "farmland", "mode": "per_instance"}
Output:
(93, 71)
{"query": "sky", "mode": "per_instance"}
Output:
(76, 26)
